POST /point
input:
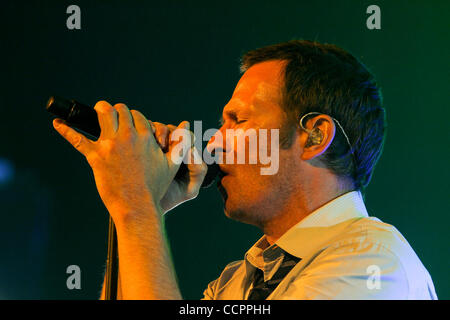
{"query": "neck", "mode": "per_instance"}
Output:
(301, 204)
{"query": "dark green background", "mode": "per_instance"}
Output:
(177, 60)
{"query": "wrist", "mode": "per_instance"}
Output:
(138, 210)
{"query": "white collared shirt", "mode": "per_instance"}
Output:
(345, 254)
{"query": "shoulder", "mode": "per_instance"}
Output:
(371, 232)
(366, 259)
(369, 243)
(374, 237)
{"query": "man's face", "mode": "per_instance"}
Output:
(250, 196)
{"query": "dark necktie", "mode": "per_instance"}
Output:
(262, 289)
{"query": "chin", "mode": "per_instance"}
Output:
(239, 214)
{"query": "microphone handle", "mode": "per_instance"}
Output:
(85, 118)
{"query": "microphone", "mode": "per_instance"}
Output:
(85, 119)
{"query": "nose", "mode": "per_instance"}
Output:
(216, 143)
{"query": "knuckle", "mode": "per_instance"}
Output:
(109, 146)
(138, 116)
(76, 142)
(102, 106)
(120, 107)
(135, 112)
(129, 136)
(112, 148)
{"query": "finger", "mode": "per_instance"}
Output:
(144, 128)
(141, 123)
(171, 127)
(162, 133)
(197, 172)
(125, 119)
(195, 164)
(181, 142)
(76, 139)
(107, 118)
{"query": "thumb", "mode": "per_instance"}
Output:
(77, 140)
(180, 144)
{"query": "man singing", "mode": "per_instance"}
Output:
(319, 241)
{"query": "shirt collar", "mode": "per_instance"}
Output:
(264, 257)
(322, 224)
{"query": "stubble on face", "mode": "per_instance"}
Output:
(249, 196)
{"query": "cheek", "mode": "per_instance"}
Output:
(246, 146)
(248, 185)
(252, 146)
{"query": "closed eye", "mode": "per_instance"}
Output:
(233, 116)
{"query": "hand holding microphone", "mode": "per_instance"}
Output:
(183, 188)
(129, 164)
(84, 118)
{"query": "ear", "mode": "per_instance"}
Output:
(324, 125)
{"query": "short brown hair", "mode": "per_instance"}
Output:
(327, 79)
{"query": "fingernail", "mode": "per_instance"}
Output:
(56, 123)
